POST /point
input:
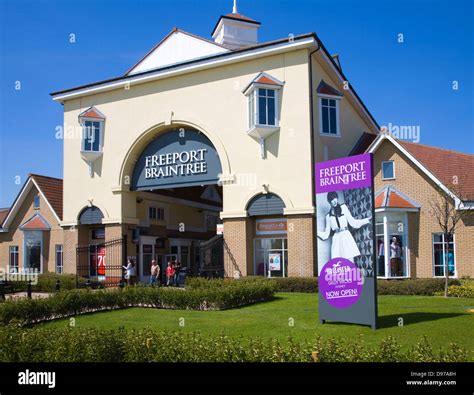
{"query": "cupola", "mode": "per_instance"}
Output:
(236, 31)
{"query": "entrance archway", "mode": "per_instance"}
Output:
(174, 181)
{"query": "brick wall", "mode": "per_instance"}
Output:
(412, 182)
(301, 246)
(237, 247)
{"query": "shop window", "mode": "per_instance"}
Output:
(32, 247)
(439, 255)
(98, 234)
(329, 119)
(156, 213)
(271, 257)
(13, 259)
(36, 202)
(391, 245)
(92, 136)
(59, 259)
(388, 170)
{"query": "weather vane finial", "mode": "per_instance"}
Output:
(234, 10)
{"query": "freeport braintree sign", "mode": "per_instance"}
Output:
(184, 157)
(346, 239)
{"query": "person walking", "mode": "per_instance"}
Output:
(154, 273)
(131, 272)
(170, 271)
(176, 274)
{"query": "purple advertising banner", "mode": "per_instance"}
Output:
(345, 173)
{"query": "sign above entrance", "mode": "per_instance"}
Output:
(274, 226)
(184, 157)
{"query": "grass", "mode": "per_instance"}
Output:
(441, 320)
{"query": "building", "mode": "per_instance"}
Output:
(409, 178)
(203, 131)
(202, 134)
(31, 238)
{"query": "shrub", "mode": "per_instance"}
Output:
(69, 303)
(419, 286)
(148, 345)
(465, 290)
(47, 283)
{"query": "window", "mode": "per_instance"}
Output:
(329, 121)
(98, 233)
(211, 222)
(156, 213)
(263, 107)
(388, 170)
(36, 202)
(439, 255)
(13, 259)
(271, 257)
(92, 136)
(59, 259)
(32, 256)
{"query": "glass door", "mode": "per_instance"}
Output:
(271, 257)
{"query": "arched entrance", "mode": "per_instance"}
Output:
(175, 182)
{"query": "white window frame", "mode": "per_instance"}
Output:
(433, 255)
(25, 268)
(393, 166)
(337, 100)
(15, 250)
(37, 198)
(254, 109)
(59, 248)
(101, 134)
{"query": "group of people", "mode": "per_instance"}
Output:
(172, 273)
(173, 270)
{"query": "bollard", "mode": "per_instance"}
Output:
(28, 289)
(58, 285)
(2, 290)
(121, 284)
(88, 283)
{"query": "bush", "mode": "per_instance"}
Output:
(147, 345)
(466, 290)
(69, 303)
(419, 286)
(47, 283)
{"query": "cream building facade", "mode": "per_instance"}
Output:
(268, 111)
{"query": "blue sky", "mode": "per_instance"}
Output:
(402, 84)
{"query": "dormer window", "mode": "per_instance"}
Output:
(329, 99)
(92, 136)
(93, 125)
(264, 107)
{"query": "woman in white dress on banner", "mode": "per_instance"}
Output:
(337, 220)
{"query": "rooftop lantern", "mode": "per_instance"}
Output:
(236, 31)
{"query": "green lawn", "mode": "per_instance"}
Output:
(441, 320)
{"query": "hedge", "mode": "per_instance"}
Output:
(419, 286)
(47, 283)
(69, 303)
(147, 345)
(465, 290)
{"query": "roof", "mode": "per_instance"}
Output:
(390, 197)
(326, 89)
(449, 170)
(52, 189)
(235, 17)
(454, 169)
(3, 214)
(364, 142)
(92, 112)
(264, 79)
(126, 78)
(36, 222)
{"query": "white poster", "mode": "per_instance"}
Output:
(274, 262)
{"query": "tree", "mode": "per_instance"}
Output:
(449, 212)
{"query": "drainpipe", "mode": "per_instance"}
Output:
(311, 121)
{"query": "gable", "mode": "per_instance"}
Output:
(177, 47)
